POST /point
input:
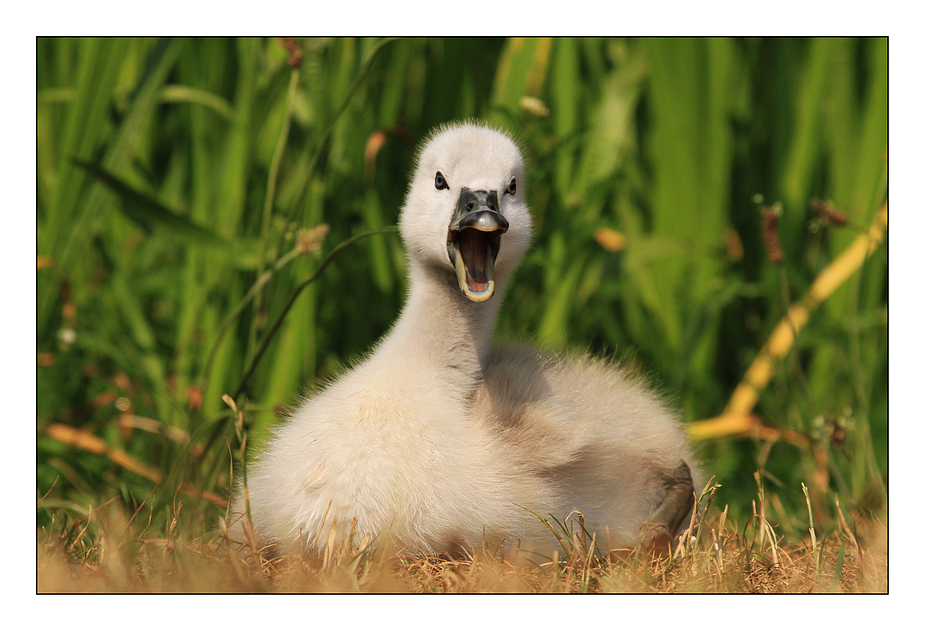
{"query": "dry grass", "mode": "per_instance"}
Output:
(716, 557)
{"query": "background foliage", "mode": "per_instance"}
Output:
(173, 174)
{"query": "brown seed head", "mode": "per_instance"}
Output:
(770, 217)
(828, 212)
(310, 240)
(292, 47)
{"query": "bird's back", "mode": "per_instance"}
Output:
(592, 431)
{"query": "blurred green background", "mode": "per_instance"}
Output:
(175, 173)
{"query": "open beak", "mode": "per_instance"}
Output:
(473, 240)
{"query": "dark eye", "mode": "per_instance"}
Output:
(512, 187)
(440, 182)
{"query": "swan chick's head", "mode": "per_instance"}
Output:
(465, 213)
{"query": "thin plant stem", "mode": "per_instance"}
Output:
(812, 529)
(272, 179)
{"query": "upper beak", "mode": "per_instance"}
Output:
(473, 240)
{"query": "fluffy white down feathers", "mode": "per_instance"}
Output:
(436, 441)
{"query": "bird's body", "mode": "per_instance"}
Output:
(436, 441)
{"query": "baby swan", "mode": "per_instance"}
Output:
(436, 441)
